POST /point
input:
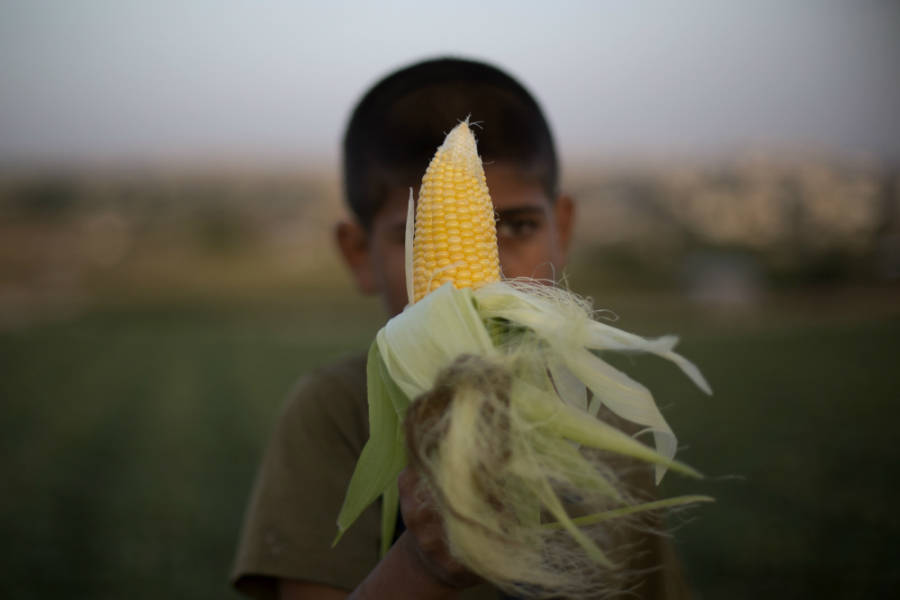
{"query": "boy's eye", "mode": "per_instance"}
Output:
(517, 228)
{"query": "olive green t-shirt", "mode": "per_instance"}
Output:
(291, 519)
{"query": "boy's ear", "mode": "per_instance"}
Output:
(564, 218)
(353, 242)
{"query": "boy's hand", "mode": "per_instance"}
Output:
(425, 539)
(419, 565)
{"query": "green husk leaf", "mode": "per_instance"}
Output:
(566, 421)
(582, 473)
(390, 505)
(608, 515)
(552, 503)
(383, 456)
(624, 396)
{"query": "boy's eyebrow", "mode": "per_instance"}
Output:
(520, 211)
(507, 213)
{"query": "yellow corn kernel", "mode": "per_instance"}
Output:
(456, 235)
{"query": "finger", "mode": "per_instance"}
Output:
(416, 500)
(407, 481)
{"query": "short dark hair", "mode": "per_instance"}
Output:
(397, 126)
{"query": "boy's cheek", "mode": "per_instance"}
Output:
(390, 266)
(529, 258)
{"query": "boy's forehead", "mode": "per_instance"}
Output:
(510, 190)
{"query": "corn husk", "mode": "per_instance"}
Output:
(542, 343)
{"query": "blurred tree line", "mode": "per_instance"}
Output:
(770, 224)
(725, 232)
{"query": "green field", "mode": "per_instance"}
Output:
(130, 438)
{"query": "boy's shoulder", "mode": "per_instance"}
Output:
(347, 372)
(332, 396)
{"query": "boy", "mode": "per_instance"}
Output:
(393, 132)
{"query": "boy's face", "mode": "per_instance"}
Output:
(532, 232)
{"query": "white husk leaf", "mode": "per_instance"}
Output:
(564, 322)
(429, 335)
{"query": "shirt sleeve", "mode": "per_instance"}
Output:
(291, 519)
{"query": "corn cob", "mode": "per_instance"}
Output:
(456, 236)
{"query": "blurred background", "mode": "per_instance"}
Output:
(168, 187)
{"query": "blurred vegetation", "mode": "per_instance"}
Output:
(783, 224)
(729, 232)
(151, 322)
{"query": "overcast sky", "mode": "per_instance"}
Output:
(203, 80)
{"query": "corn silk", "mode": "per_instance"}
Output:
(493, 395)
